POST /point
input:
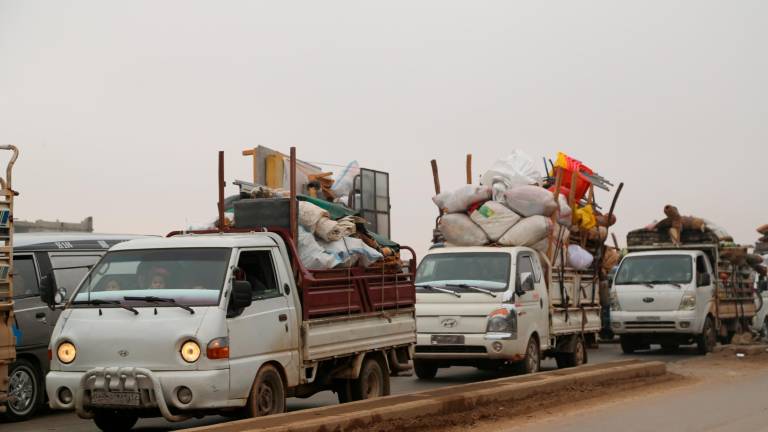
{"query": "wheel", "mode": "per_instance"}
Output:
(532, 362)
(371, 383)
(572, 359)
(706, 341)
(267, 394)
(425, 370)
(670, 347)
(25, 386)
(628, 345)
(114, 421)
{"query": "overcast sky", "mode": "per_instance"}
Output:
(119, 108)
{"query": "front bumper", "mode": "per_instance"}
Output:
(476, 346)
(158, 390)
(673, 322)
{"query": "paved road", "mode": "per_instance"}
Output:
(55, 422)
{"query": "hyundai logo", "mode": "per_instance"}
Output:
(648, 299)
(123, 353)
(449, 323)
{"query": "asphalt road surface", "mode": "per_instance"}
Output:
(69, 422)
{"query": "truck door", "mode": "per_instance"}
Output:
(31, 314)
(263, 331)
(705, 291)
(530, 305)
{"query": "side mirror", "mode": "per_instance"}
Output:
(526, 283)
(242, 295)
(48, 291)
(703, 279)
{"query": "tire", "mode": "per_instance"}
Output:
(705, 342)
(25, 384)
(425, 370)
(267, 394)
(628, 345)
(532, 361)
(373, 382)
(572, 359)
(114, 421)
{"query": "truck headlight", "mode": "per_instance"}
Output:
(615, 306)
(66, 352)
(190, 351)
(688, 302)
(502, 322)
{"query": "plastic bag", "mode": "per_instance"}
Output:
(458, 229)
(461, 199)
(530, 201)
(517, 169)
(342, 185)
(312, 255)
(310, 215)
(494, 219)
(579, 258)
(585, 218)
(527, 232)
(350, 251)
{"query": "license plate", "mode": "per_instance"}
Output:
(101, 397)
(447, 339)
(648, 318)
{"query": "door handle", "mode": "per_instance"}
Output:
(282, 317)
(541, 303)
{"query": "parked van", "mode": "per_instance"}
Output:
(65, 258)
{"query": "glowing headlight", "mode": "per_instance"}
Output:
(190, 351)
(688, 302)
(66, 352)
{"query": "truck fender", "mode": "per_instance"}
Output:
(566, 343)
(351, 370)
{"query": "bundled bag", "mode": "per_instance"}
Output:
(517, 169)
(763, 229)
(458, 229)
(495, 219)
(527, 232)
(350, 251)
(611, 258)
(735, 255)
(460, 200)
(347, 226)
(754, 260)
(328, 230)
(312, 255)
(585, 218)
(579, 258)
(530, 201)
(566, 213)
(310, 215)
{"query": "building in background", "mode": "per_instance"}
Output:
(53, 226)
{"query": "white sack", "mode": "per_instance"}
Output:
(310, 215)
(346, 226)
(328, 230)
(541, 246)
(566, 213)
(530, 201)
(461, 199)
(495, 219)
(458, 229)
(578, 258)
(527, 232)
(312, 255)
(517, 169)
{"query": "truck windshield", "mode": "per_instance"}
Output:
(655, 269)
(190, 277)
(488, 270)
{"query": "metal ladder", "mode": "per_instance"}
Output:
(7, 339)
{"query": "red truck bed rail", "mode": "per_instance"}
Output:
(346, 291)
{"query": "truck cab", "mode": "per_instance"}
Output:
(664, 297)
(490, 307)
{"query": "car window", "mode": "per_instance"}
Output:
(70, 269)
(258, 269)
(25, 281)
(524, 265)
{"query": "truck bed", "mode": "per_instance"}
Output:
(575, 320)
(342, 335)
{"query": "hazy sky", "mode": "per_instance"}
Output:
(119, 108)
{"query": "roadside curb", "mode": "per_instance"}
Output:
(440, 401)
(746, 349)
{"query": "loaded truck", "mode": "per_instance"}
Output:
(493, 307)
(7, 321)
(679, 294)
(225, 321)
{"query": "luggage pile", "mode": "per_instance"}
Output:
(515, 205)
(761, 249)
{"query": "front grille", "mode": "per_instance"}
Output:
(634, 325)
(471, 349)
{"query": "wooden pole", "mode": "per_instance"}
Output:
(469, 169)
(294, 203)
(558, 173)
(435, 176)
(221, 191)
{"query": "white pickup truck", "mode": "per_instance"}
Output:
(200, 324)
(491, 307)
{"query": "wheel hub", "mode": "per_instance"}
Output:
(21, 390)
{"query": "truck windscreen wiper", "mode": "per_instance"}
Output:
(435, 288)
(473, 288)
(153, 299)
(100, 302)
